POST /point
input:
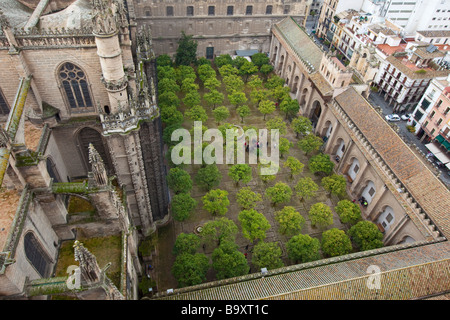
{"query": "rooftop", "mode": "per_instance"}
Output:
(409, 69)
(9, 200)
(434, 33)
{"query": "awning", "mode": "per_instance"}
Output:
(433, 148)
(440, 138)
(246, 53)
(446, 144)
(438, 153)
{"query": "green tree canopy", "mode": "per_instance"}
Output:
(167, 134)
(220, 114)
(247, 69)
(335, 243)
(267, 255)
(185, 72)
(228, 261)
(254, 224)
(366, 235)
(216, 202)
(208, 177)
(189, 85)
(255, 82)
(167, 99)
(182, 206)
(196, 113)
(167, 85)
(301, 126)
(279, 193)
(220, 230)
(205, 71)
(214, 98)
(166, 72)
(243, 111)
(186, 243)
(277, 123)
(227, 70)
(273, 82)
(302, 248)
(192, 98)
(285, 145)
(266, 107)
(179, 180)
(294, 165)
(240, 173)
(212, 83)
(233, 83)
(320, 215)
(247, 198)
(163, 60)
(306, 188)
(171, 116)
(267, 177)
(259, 59)
(335, 184)
(290, 220)
(186, 53)
(266, 69)
(310, 143)
(223, 59)
(321, 163)
(237, 98)
(190, 269)
(348, 211)
(279, 93)
(289, 106)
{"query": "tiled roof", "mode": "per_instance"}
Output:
(434, 33)
(300, 42)
(426, 189)
(405, 274)
(321, 84)
(409, 69)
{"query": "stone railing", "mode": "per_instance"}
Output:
(126, 121)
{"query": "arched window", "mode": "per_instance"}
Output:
(36, 255)
(76, 88)
(4, 108)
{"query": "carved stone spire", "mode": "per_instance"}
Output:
(98, 167)
(90, 271)
(105, 21)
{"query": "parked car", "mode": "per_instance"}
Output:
(392, 117)
(405, 116)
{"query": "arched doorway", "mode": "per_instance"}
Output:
(85, 137)
(354, 169)
(280, 64)
(317, 111)
(386, 218)
(274, 55)
(295, 85)
(369, 192)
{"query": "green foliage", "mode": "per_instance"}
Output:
(186, 53)
(267, 177)
(220, 114)
(294, 165)
(166, 72)
(145, 284)
(233, 83)
(185, 72)
(190, 269)
(179, 180)
(208, 177)
(247, 199)
(366, 235)
(188, 85)
(273, 82)
(163, 60)
(237, 97)
(320, 215)
(228, 261)
(186, 243)
(279, 193)
(243, 111)
(310, 143)
(254, 224)
(255, 82)
(301, 126)
(247, 69)
(239, 61)
(224, 59)
(192, 98)
(267, 255)
(280, 93)
(201, 61)
(335, 243)
(216, 202)
(260, 59)
(219, 230)
(306, 188)
(266, 107)
(285, 145)
(214, 97)
(240, 173)
(348, 211)
(277, 123)
(289, 106)
(321, 163)
(335, 184)
(291, 221)
(171, 116)
(167, 85)
(196, 113)
(168, 98)
(302, 248)
(227, 70)
(212, 83)
(182, 206)
(266, 69)
(205, 72)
